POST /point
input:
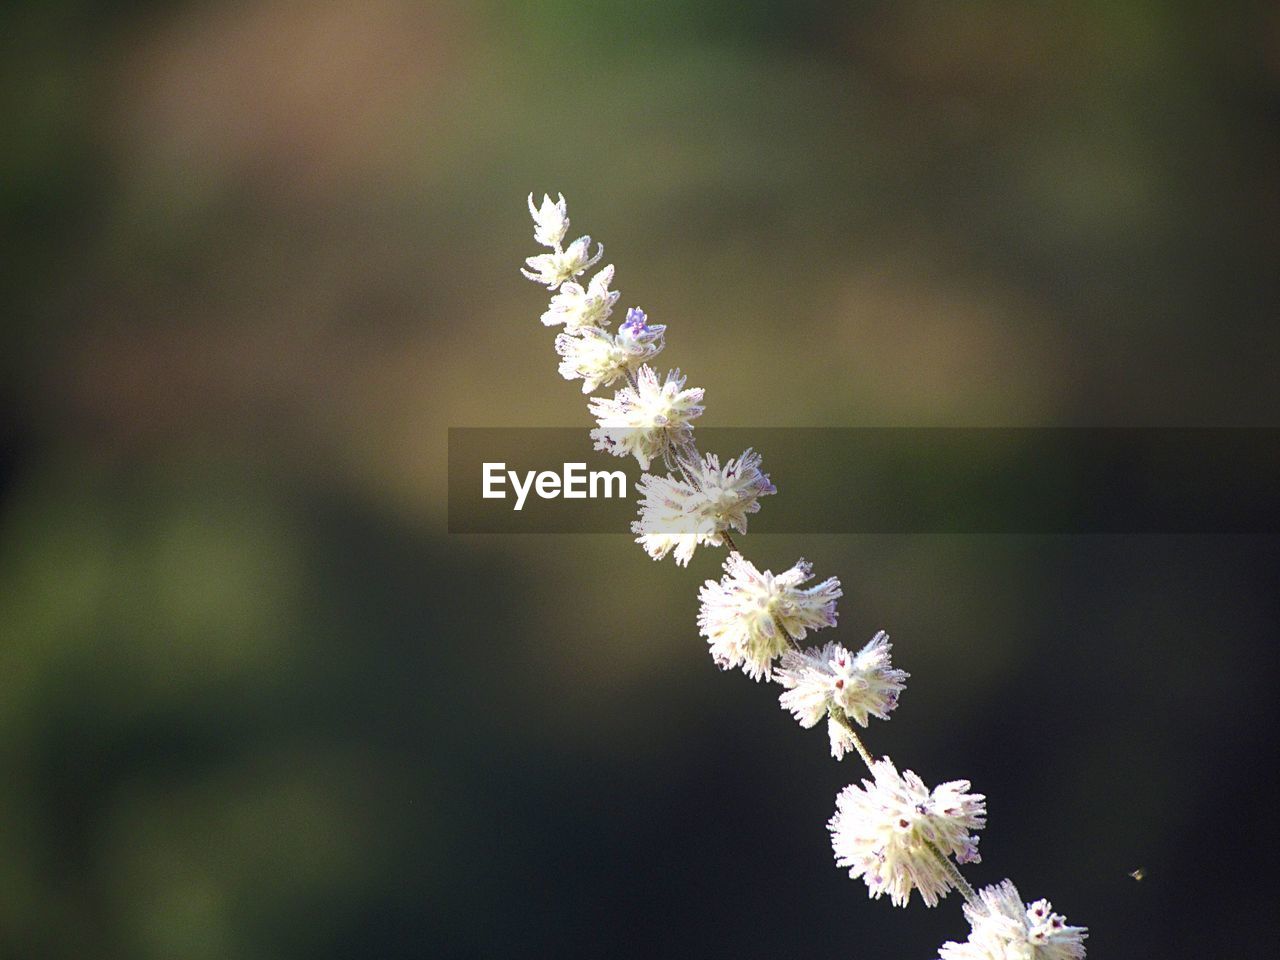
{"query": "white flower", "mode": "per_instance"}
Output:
(550, 221)
(860, 685)
(581, 309)
(727, 494)
(750, 617)
(886, 832)
(646, 419)
(670, 519)
(680, 515)
(556, 267)
(1005, 928)
(599, 358)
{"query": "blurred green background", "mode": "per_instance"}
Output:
(258, 256)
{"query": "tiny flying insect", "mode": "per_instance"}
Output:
(1138, 874)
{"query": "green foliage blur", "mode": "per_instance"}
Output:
(258, 257)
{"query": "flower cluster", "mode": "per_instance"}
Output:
(892, 831)
(550, 222)
(1003, 927)
(750, 618)
(648, 418)
(583, 308)
(841, 686)
(599, 358)
(679, 515)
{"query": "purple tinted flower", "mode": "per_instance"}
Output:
(635, 322)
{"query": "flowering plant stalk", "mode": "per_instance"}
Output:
(892, 831)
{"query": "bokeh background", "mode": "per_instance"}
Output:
(259, 256)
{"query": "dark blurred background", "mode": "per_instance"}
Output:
(258, 256)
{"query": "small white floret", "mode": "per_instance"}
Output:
(559, 266)
(822, 681)
(550, 221)
(680, 515)
(1004, 927)
(886, 832)
(599, 358)
(729, 494)
(670, 521)
(647, 419)
(750, 617)
(580, 308)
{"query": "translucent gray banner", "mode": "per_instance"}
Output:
(893, 480)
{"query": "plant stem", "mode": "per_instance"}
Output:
(957, 878)
(858, 745)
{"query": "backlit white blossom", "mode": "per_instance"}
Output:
(646, 419)
(861, 685)
(749, 617)
(578, 308)
(598, 357)
(886, 831)
(728, 494)
(680, 515)
(1005, 928)
(550, 221)
(554, 268)
(669, 523)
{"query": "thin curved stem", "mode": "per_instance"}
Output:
(957, 878)
(858, 745)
